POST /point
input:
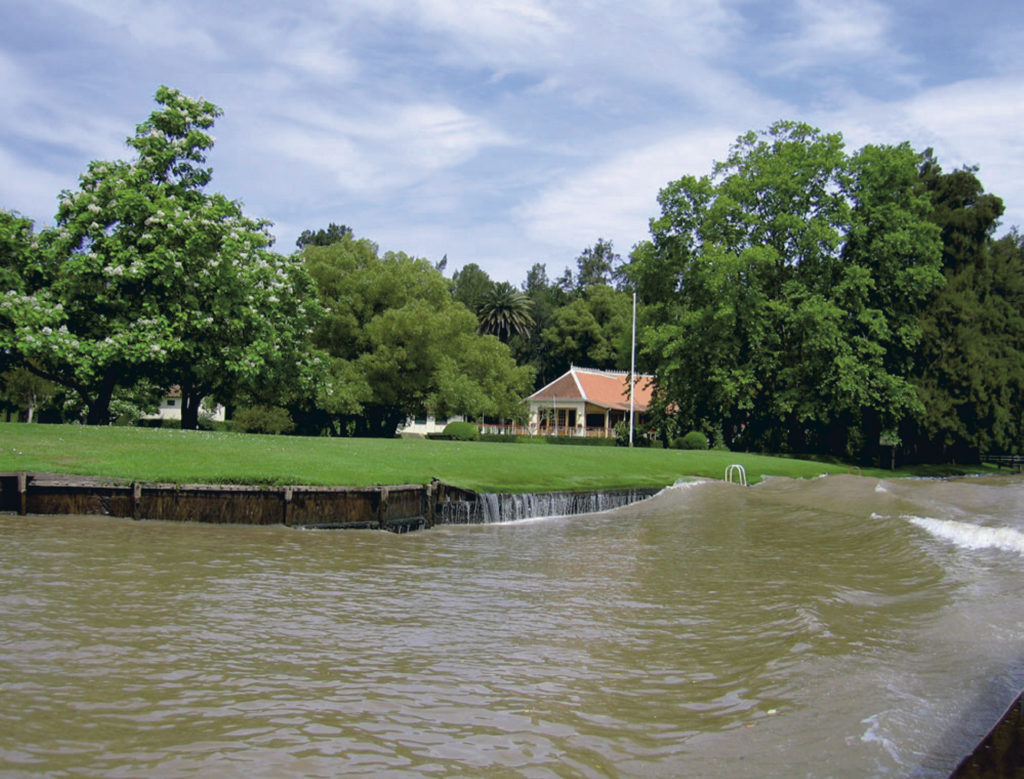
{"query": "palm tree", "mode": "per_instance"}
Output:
(504, 311)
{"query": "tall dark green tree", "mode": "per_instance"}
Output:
(970, 370)
(592, 330)
(891, 264)
(775, 288)
(470, 285)
(596, 265)
(323, 237)
(530, 348)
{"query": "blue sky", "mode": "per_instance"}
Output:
(506, 132)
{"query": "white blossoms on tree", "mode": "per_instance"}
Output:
(153, 278)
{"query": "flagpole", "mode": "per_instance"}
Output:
(632, 374)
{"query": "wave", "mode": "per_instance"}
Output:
(971, 536)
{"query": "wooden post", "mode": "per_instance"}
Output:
(287, 498)
(428, 510)
(136, 500)
(22, 494)
(382, 508)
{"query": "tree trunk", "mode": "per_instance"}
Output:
(99, 405)
(191, 400)
(379, 422)
(871, 422)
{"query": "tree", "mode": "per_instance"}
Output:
(322, 237)
(596, 265)
(891, 269)
(397, 344)
(781, 292)
(970, 369)
(19, 261)
(146, 276)
(504, 311)
(470, 285)
(21, 389)
(592, 330)
(530, 348)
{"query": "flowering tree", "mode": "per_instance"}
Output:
(147, 276)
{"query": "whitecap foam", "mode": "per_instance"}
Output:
(876, 734)
(685, 483)
(970, 536)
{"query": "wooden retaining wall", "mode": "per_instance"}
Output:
(397, 508)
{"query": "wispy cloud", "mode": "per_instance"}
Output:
(973, 122)
(151, 24)
(617, 198)
(824, 35)
(380, 147)
(503, 132)
(26, 188)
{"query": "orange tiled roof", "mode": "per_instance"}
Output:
(607, 389)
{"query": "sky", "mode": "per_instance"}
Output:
(499, 132)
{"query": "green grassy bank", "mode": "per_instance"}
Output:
(232, 458)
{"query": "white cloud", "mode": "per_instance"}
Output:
(585, 50)
(832, 33)
(499, 131)
(504, 32)
(975, 122)
(380, 147)
(46, 140)
(616, 198)
(167, 26)
(30, 190)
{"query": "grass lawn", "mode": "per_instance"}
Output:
(160, 455)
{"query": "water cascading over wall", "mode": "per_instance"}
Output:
(488, 507)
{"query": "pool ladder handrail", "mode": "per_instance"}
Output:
(739, 471)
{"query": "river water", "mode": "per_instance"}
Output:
(836, 627)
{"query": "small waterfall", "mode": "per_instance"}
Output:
(488, 507)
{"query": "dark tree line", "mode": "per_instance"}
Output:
(799, 298)
(804, 299)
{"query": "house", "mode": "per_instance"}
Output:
(588, 402)
(425, 424)
(170, 408)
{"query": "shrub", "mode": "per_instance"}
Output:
(263, 419)
(692, 440)
(569, 440)
(462, 431)
(501, 438)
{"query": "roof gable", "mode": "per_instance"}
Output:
(607, 389)
(562, 388)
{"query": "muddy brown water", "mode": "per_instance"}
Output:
(842, 626)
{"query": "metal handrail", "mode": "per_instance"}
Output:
(739, 471)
